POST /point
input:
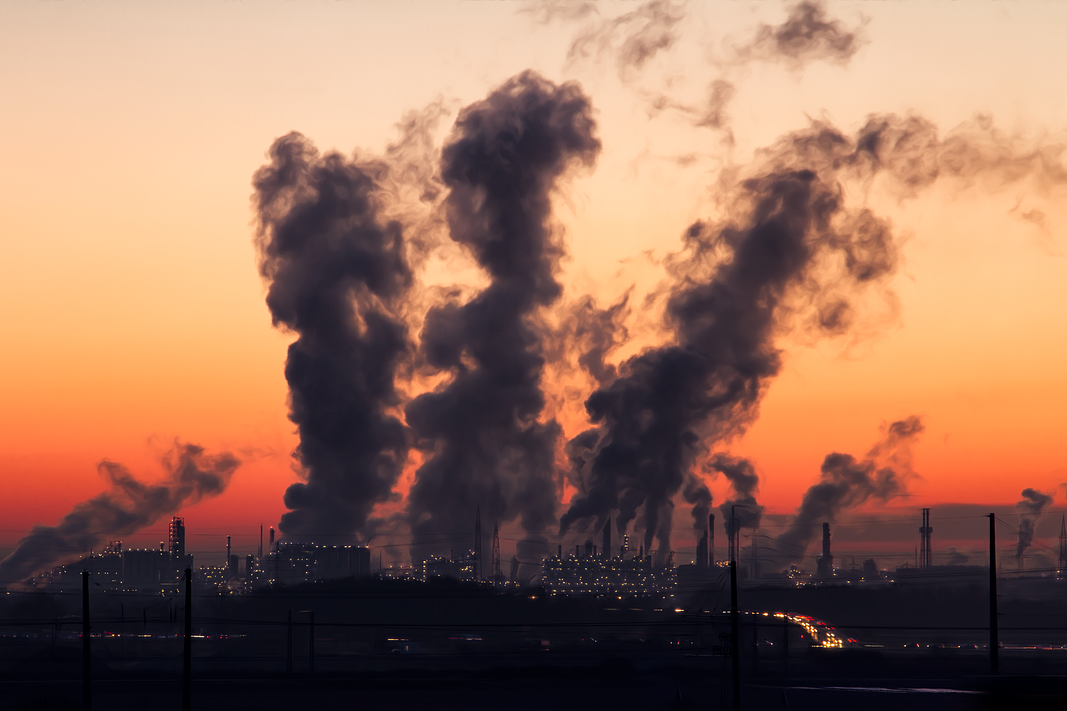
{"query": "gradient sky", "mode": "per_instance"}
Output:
(134, 314)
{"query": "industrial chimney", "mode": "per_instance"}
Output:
(825, 562)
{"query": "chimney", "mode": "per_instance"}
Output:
(711, 540)
(607, 538)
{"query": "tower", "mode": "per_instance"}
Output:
(825, 562)
(711, 540)
(497, 577)
(478, 543)
(607, 538)
(702, 552)
(1063, 544)
(260, 552)
(177, 539)
(925, 555)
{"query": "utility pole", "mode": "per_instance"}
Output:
(187, 652)
(311, 643)
(87, 695)
(289, 644)
(735, 637)
(994, 632)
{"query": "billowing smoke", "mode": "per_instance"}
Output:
(742, 507)
(955, 557)
(696, 493)
(789, 248)
(1030, 508)
(806, 35)
(483, 432)
(338, 278)
(596, 333)
(846, 482)
(128, 506)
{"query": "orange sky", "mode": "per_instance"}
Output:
(134, 315)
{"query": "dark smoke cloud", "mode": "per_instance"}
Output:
(696, 493)
(846, 482)
(596, 332)
(744, 481)
(1030, 509)
(633, 38)
(128, 506)
(807, 34)
(338, 278)
(955, 557)
(789, 251)
(483, 431)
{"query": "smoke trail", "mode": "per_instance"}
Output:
(128, 506)
(742, 508)
(482, 430)
(1030, 508)
(846, 482)
(634, 37)
(338, 278)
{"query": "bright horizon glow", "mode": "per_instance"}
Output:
(134, 314)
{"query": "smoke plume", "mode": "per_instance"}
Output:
(338, 277)
(789, 249)
(128, 506)
(806, 35)
(696, 493)
(745, 483)
(1030, 508)
(846, 482)
(483, 432)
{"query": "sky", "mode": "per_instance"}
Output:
(135, 314)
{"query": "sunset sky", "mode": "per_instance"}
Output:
(134, 313)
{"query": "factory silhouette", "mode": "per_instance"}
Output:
(591, 570)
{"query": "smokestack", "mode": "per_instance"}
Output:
(607, 539)
(825, 562)
(272, 538)
(478, 543)
(260, 552)
(711, 540)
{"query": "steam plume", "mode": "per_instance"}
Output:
(483, 430)
(1030, 508)
(128, 506)
(338, 278)
(846, 482)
